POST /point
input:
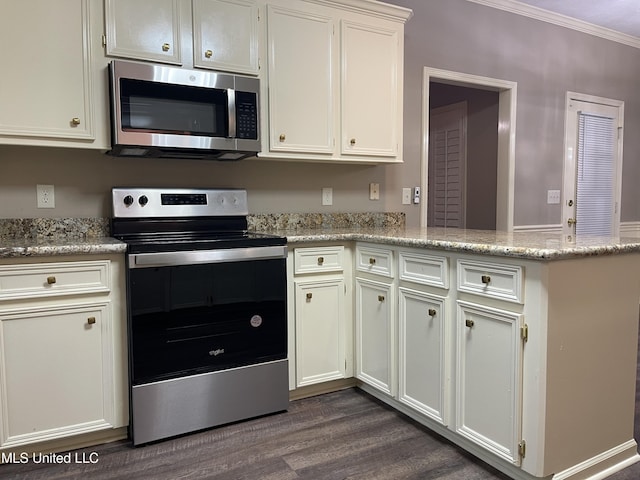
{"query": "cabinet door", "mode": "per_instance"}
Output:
(225, 35)
(320, 331)
(489, 378)
(375, 335)
(422, 330)
(45, 86)
(370, 90)
(143, 30)
(301, 83)
(56, 372)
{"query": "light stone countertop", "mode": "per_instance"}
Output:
(40, 247)
(525, 245)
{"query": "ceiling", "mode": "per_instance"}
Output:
(618, 15)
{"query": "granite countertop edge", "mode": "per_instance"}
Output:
(43, 247)
(523, 245)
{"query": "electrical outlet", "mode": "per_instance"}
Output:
(416, 194)
(45, 196)
(406, 196)
(327, 196)
(374, 191)
(553, 197)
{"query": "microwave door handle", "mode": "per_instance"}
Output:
(231, 105)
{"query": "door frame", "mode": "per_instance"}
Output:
(506, 137)
(570, 159)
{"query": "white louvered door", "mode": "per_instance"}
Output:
(593, 167)
(447, 165)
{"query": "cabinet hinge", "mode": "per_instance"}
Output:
(522, 449)
(524, 332)
(104, 40)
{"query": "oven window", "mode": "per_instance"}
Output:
(180, 109)
(199, 318)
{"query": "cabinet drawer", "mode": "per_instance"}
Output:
(503, 282)
(53, 279)
(321, 259)
(424, 269)
(374, 260)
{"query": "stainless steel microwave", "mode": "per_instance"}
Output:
(159, 111)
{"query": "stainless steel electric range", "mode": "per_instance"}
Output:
(207, 313)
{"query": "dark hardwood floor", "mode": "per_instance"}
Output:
(342, 435)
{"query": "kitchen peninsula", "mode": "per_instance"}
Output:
(519, 347)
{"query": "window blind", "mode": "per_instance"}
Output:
(594, 199)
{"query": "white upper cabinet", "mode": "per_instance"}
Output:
(225, 35)
(301, 86)
(212, 34)
(333, 86)
(48, 84)
(371, 96)
(144, 30)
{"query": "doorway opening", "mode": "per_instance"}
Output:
(497, 193)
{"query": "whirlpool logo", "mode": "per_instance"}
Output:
(216, 352)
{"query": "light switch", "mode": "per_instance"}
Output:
(553, 197)
(374, 191)
(406, 196)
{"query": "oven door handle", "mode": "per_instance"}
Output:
(190, 257)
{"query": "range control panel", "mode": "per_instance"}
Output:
(177, 202)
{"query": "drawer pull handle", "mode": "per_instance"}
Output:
(51, 280)
(486, 279)
(469, 323)
(282, 137)
(165, 47)
(309, 296)
(75, 121)
(208, 54)
(91, 320)
(352, 142)
(432, 312)
(372, 261)
(381, 298)
(320, 260)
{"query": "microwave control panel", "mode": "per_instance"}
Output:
(246, 116)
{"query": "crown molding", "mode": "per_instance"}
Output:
(371, 7)
(536, 13)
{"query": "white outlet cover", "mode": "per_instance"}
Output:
(327, 196)
(45, 196)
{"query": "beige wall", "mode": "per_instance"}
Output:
(83, 181)
(545, 60)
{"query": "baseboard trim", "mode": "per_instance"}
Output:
(322, 388)
(551, 228)
(603, 465)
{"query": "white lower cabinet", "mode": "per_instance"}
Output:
(489, 378)
(62, 352)
(422, 336)
(321, 326)
(375, 334)
(320, 336)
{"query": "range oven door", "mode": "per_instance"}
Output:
(203, 311)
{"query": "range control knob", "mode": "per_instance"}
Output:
(128, 200)
(143, 200)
